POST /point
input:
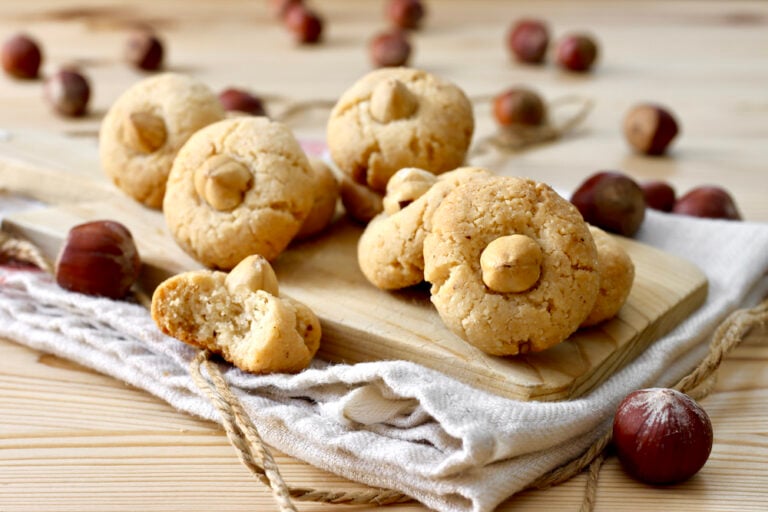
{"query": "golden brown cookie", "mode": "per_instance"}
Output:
(238, 187)
(512, 265)
(240, 316)
(146, 127)
(617, 272)
(325, 194)
(390, 251)
(399, 117)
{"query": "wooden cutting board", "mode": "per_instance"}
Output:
(360, 322)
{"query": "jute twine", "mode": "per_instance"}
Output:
(256, 456)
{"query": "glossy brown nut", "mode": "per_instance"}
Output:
(407, 14)
(144, 50)
(68, 92)
(390, 49)
(528, 40)
(661, 435)
(577, 52)
(305, 25)
(239, 100)
(519, 106)
(281, 7)
(708, 201)
(659, 195)
(650, 129)
(98, 258)
(612, 201)
(21, 57)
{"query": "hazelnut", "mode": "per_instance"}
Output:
(238, 100)
(389, 49)
(577, 52)
(511, 264)
(360, 202)
(68, 92)
(305, 25)
(406, 186)
(650, 129)
(21, 57)
(144, 132)
(519, 106)
(407, 14)
(281, 7)
(222, 182)
(659, 195)
(528, 39)
(250, 275)
(611, 201)
(392, 100)
(661, 435)
(708, 201)
(98, 258)
(144, 50)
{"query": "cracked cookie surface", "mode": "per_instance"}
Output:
(238, 187)
(508, 323)
(430, 130)
(146, 126)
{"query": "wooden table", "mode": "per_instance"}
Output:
(71, 439)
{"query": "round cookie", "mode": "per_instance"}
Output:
(529, 289)
(238, 187)
(390, 251)
(617, 272)
(145, 128)
(399, 117)
(325, 196)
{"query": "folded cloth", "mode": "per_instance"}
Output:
(396, 424)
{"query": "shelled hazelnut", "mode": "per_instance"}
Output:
(390, 49)
(577, 52)
(144, 50)
(406, 14)
(519, 106)
(304, 23)
(21, 57)
(650, 128)
(528, 40)
(239, 100)
(659, 195)
(662, 436)
(98, 258)
(708, 201)
(68, 92)
(612, 201)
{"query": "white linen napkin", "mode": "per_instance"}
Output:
(396, 424)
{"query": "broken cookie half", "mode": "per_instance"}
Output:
(239, 315)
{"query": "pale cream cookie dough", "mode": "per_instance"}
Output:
(399, 117)
(617, 273)
(240, 316)
(513, 266)
(325, 194)
(145, 128)
(238, 187)
(390, 251)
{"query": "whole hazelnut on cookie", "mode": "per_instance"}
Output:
(145, 128)
(398, 117)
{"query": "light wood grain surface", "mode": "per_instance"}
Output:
(74, 440)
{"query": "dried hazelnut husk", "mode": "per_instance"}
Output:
(144, 50)
(304, 23)
(407, 14)
(22, 57)
(519, 106)
(577, 52)
(708, 201)
(612, 201)
(527, 40)
(662, 436)
(239, 100)
(389, 49)
(650, 129)
(68, 92)
(98, 258)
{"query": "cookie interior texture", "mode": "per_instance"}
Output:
(257, 332)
